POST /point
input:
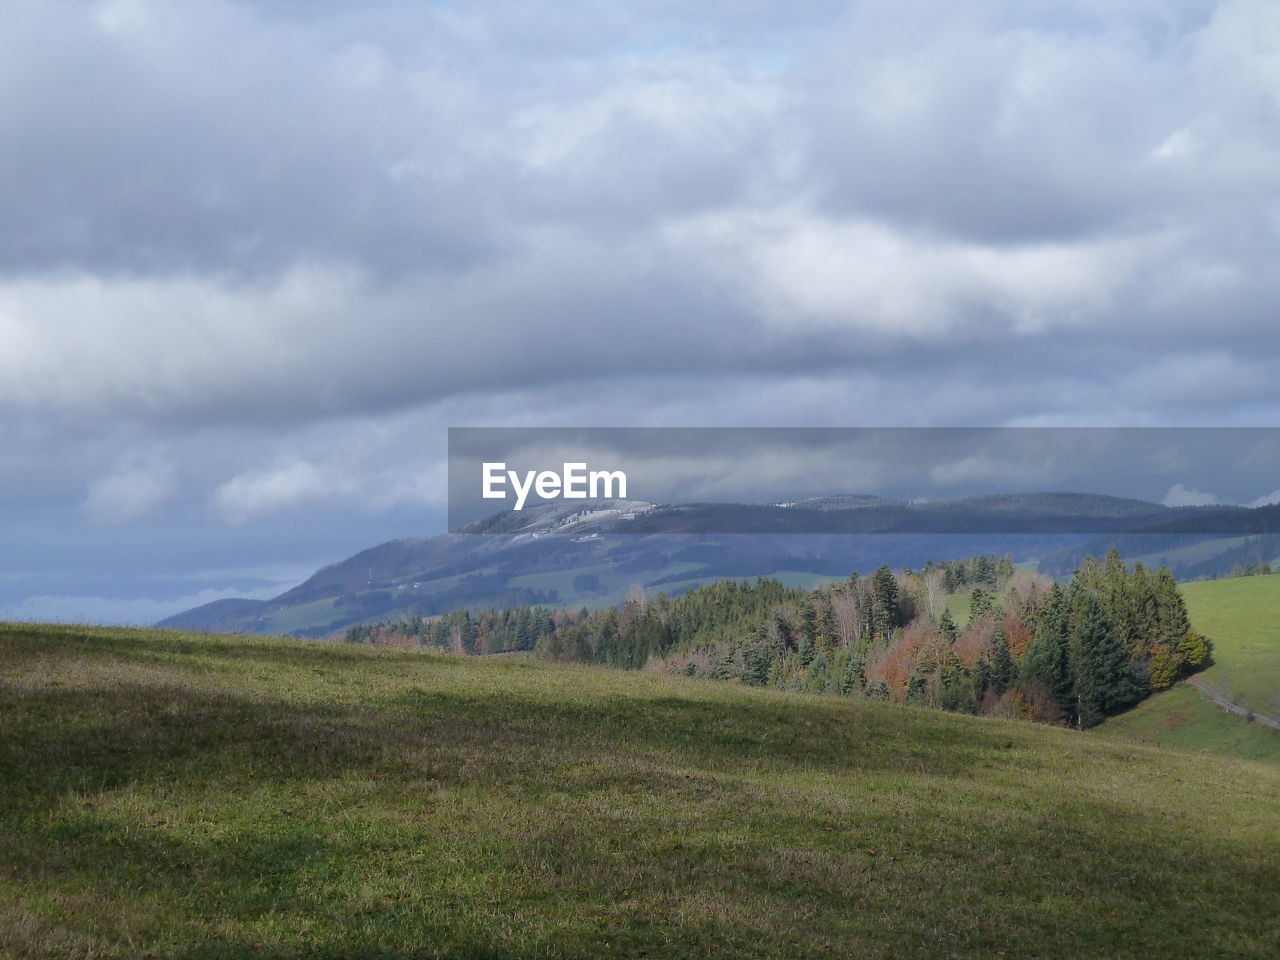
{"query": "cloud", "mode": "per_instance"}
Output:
(287, 245)
(948, 194)
(1182, 496)
(286, 485)
(1266, 500)
(130, 493)
(355, 467)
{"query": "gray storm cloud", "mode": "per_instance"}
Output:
(238, 235)
(216, 211)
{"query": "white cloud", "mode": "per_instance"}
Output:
(803, 269)
(131, 492)
(1183, 496)
(285, 485)
(1266, 500)
(357, 466)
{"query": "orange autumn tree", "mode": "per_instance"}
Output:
(894, 662)
(1017, 635)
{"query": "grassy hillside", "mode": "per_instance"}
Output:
(191, 795)
(1184, 717)
(1242, 616)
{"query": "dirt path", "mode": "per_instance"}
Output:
(1222, 700)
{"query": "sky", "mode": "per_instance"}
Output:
(257, 257)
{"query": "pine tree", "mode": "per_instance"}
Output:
(808, 649)
(986, 571)
(824, 624)
(852, 677)
(1099, 665)
(947, 626)
(757, 660)
(1172, 622)
(884, 608)
(1002, 667)
(917, 685)
(1046, 660)
(1004, 571)
(1195, 650)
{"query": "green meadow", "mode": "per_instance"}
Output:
(1184, 717)
(1242, 617)
(186, 795)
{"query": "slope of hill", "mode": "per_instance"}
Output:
(1242, 617)
(1183, 717)
(177, 794)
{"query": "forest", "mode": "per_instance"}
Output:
(1030, 648)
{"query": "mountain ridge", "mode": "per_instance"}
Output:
(589, 553)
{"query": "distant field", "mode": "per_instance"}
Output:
(958, 604)
(1190, 553)
(166, 794)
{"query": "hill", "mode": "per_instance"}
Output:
(1184, 717)
(1195, 543)
(591, 553)
(1242, 617)
(193, 795)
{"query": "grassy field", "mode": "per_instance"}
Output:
(186, 795)
(960, 603)
(1184, 717)
(1242, 616)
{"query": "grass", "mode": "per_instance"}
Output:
(960, 603)
(1183, 717)
(1242, 616)
(188, 795)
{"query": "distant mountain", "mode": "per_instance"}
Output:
(224, 616)
(1202, 543)
(591, 553)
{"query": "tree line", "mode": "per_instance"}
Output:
(463, 631)
(1036, 649)
(1029, 647)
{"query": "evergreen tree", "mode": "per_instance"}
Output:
(808, 649)
(1046, 660)
(1172, 621)
(884, 604)
(916, 687)
(758, 661)
(980, 602)
(986, 571)
(947, 626)
(1004, 571)
(853, 677)
(824, 626)
(1002, 667)
(1099, 665)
